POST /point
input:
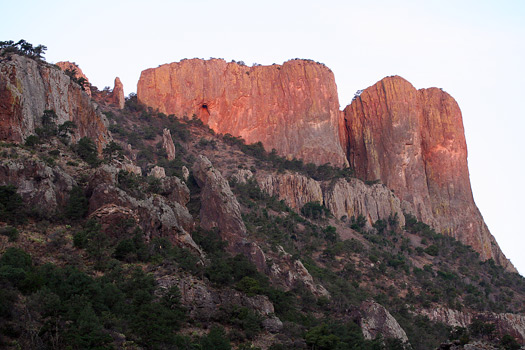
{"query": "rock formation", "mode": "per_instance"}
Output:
(117, 95)
(343, 197)
(293, 108)
(76, 73)
(506, 323)
(376, 320)
(221, 209)
(413, 141)
(27, 88)
(42, 188)
(167, 144)
(162, 215)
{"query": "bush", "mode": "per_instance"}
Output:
(87, 150)
(32, 141)
(77, 206)
(10, 232)
(11, 205)
(315, 210)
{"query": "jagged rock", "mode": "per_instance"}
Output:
(185, 173)
(506, 323)
(117, 95)
(353, 198)
(207, 303)
(376, 320)
(73, 67)
(220, 208)
(175, 190)
(242, 176)
(157, 215)
(167, 144)
(343, 197)
(295, 189)
(28, 87)
(414, 142)
(285, 269)
(255, 103)
(272, 324)
(42, 188)
(157, 172)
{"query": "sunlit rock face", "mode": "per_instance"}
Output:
(28, 87)
(292, 108)
(413, 141)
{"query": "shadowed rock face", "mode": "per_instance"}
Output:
(413, 141)
(27, 88)
(293, 108)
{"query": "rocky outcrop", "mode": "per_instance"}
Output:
(376, 320)
(352, 197)
(157, 172)
(292, 108)
(167, 144)
(206, 303)
(42, 188)
(28, 87)
(343, 197)
(295, 189)
(291, 272)
(220, 209)
(76, 72)
(162, 215)
(413, 141)
(117, 95)
(506, 323)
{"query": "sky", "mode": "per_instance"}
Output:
(474, 50)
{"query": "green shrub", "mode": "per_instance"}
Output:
(315, 210)
(32, 141)
(10, 232)
(78, 204)
(87, 150)
(11, 209)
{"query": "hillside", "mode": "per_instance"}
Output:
(165, 234)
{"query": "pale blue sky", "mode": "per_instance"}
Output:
(475, 50)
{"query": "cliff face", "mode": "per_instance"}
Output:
(27, 88)
(293, 108)
(413, 141)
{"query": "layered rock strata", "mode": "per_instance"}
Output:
(27, 88)
(413, 141)
(292, 108)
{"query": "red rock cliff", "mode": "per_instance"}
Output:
(27, 88)
(414, 142)
(293, 108)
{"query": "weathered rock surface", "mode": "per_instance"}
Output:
(413, 141)
(157, 172)
(41, 187)
(295, 189)
(117, 95)
(158, 215)
(289, 272)
(376, 320)
(74, 68)
(343, 197)
(27, 88)
(206, 303)
(352, 197)
(293, 107)
(220, 209)
(167, 144)
(506, 323)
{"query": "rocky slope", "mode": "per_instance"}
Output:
(27, 88)
(293, 108)
(413, 141)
